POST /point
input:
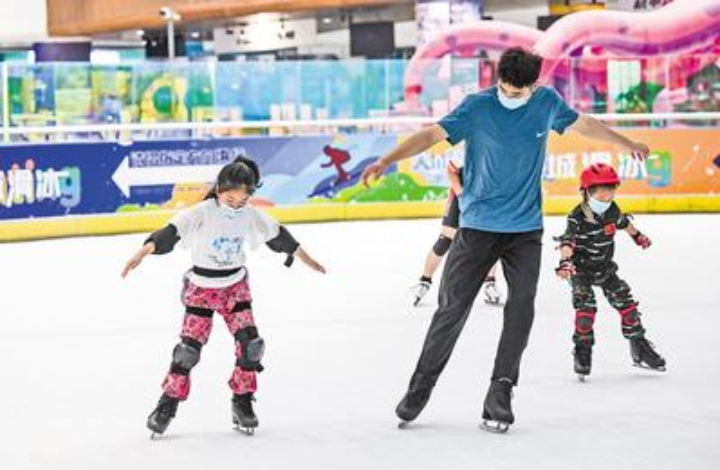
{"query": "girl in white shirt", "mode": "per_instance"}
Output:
(217, 231)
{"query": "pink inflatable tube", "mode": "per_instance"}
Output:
(685, 25)
(679, 27)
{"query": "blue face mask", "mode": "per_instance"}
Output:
(512, 103)
(598, 207)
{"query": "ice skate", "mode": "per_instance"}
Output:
(419, 291)
(644, 355)
(497, 410)
(160, 418)
(243, 416)
(491, 292)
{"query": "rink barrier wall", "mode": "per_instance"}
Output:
(114, 224)
(81, 188)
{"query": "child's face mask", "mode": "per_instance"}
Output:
(230, 211)
(233, 202)
(601, 198)
(598, 207)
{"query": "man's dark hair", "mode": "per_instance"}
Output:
(519, 67)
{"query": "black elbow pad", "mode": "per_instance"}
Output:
(284, 242)
(164, 239)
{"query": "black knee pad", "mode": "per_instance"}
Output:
(442, 245)
(186, 355)
(253, 349)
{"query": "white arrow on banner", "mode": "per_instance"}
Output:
(126, 177)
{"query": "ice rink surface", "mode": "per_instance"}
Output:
(83, 354)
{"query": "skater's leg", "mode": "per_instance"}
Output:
(585, 305)
(470, 258)
(438, 251)
(642, 351)
(432, 262)
(618, 293)
(196, 328)
(249, 346)
(521, 265)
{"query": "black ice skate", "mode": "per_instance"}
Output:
(492, 294)
(243, 415)
(497, 411)
(583, 359)
(644, 355)
(412, 404)
(161, 416)
(419, 291)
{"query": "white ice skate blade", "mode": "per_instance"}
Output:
(651, 369)
(497, 427)
(582, 378)
(246, 431)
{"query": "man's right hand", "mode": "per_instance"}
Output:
(373, 171)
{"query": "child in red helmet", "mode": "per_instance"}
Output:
(586, 259)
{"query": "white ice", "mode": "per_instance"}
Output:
(82, 355)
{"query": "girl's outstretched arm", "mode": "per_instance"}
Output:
(134, 262)
(307, 259)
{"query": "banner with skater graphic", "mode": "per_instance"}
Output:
(308, 178)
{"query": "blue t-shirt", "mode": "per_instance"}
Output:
(504, 157)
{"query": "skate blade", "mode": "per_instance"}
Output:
(582, 377)
(497, 427)
(495, 303)
(646, 367)
(404, 424)
(155, 436)
(246, 431)
(417, 302)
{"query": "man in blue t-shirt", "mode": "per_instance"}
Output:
(505, 129)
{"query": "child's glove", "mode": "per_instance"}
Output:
(642, 240)
(566, 269)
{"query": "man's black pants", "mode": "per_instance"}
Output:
(471, 256)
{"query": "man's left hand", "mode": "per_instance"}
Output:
(639, 150)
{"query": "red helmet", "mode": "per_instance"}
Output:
(598, 174)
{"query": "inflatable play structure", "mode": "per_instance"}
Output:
(688, 27)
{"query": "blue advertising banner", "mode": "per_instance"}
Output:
(104, 178)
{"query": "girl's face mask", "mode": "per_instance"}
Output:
(234, 201)
(230, 211)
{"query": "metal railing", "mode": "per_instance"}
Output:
(149, 131)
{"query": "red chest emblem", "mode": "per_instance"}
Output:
(610, 229)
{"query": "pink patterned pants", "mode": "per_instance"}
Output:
(233, 304)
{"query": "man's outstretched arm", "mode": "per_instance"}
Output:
(413, 145)
(590, 127)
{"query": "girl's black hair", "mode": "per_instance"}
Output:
(242, 172)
